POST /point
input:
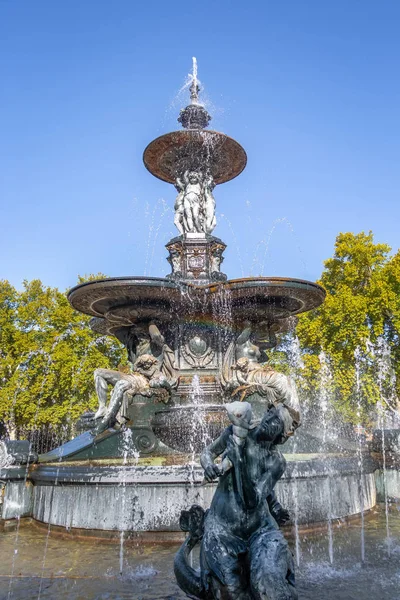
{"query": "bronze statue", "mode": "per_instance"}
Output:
(147, 339)
(243, 555)
(153, 367)
(145, 379)
(247, 376)
(275, 387)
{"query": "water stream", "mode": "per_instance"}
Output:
(357, 357)
(325, 402)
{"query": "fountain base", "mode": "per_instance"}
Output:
(149, 497)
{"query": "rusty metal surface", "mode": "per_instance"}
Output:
(170, 155)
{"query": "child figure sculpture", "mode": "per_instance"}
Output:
(195, 204)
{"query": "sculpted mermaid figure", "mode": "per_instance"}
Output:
(244, 555)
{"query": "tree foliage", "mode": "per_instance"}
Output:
(355, 332)
(48, 354)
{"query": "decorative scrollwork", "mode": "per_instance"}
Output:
(197, 352)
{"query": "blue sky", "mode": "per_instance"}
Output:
(309, 88)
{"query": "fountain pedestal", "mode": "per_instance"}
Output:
(196, 258)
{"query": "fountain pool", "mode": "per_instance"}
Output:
(65, 567)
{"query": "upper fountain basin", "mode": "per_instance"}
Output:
(169, 156)
(123, 301)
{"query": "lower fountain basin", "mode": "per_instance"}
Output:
(150, 498)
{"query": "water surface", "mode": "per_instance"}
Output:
(36, 565)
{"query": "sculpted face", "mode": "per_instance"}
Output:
(146, 362)
(193, 177)
(242, 365)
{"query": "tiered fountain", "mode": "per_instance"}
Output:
(135, 467)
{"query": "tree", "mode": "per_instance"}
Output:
(356, 328)
(48, 354)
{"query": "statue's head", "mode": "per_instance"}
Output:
(193, 177)
(145, 362)
(242, 365)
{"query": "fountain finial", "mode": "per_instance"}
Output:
(194, 116)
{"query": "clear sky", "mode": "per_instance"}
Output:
(311, 90)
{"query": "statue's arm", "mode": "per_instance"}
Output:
(179, 185)
(160, 381)
(210, 453)
(128, 338)
(209, 183)
(244, 336)
(156, 336)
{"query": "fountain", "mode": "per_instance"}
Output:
(196, 341)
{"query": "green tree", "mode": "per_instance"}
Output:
(360, 316)
(48, 354)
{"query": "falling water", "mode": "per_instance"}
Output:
(384, 372)
(166, 210)
(128, 451)
(153, 232)
(324, 387)
(198, 424)
(381, 421)
(235, 241)
(46, 546)
(357, 357)
(194, 75)
(295, 364)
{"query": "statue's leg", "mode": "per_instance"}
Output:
(178, 219)
(277, 468)
(187, 207)
(271, 567)
(115, 403)
(102, 379)
(122, 415)
(196, 216)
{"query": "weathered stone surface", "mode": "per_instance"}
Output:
(17, 500)
(388, 484)
(151, 498)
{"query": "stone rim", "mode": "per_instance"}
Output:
(144, 298)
